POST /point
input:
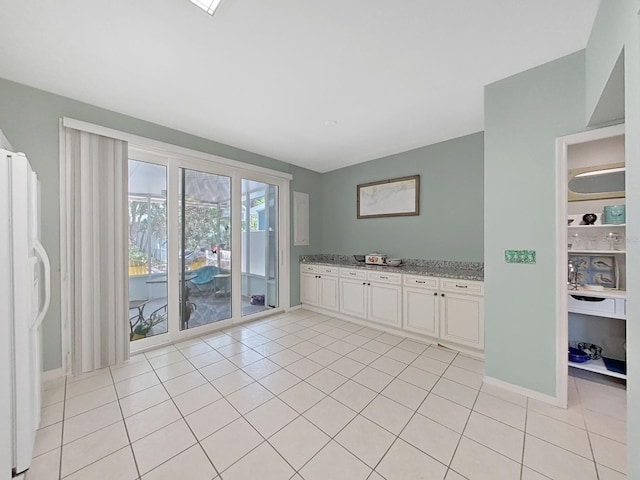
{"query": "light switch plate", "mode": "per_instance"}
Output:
(520, 256)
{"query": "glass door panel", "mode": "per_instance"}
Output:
(147, 250)
(259, 246)
(205, 248)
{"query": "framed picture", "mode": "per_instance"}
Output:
(389, 198)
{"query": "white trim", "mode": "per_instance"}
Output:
(164, 148)
(562, 255)
(294, 308)
(524, 391)
(51, 375)
(65, 201)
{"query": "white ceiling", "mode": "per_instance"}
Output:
(266, 76)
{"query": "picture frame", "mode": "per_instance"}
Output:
(396, 197)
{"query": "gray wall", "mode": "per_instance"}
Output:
(450, 224)
(523, 116)
(29, 119)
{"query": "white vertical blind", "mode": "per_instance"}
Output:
(97, 222)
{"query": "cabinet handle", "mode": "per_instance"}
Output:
(420, 281)
(384, 278)
(462, 286)
(435, 294)
(442, 294)
(351, 273)
(369, 284)
(364, 283)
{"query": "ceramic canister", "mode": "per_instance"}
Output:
(614, 214)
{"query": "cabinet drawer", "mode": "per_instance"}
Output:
(334, 271)
(462, 286)
(357, 274)
(421, 282)
(383, 277)
(309, 268)
(615, 307)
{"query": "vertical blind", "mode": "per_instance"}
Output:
(97, 249)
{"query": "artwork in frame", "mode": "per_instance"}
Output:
(389, 198)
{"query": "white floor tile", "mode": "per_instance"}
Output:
(196, 398)
(305, 348)
(400, 355)
(47, 439)
(136, 384)
(373, 379)
(299, 441)
(439, 353)
(119, 465)
(431, 365)
(192, 464)
(354, 395)
(388, 365)
(445, 412)
(329, 415)
(346, 366)
(142, 400)
(326, 380)
(279, 381)
(152, 419)
(268, 349)
(263, 459)
(388, 414)
(609, 453)
(405, 393)
(336, 463)
(304, 368)
(556, 462)
(606, 426)
(496, 391)
(365, 440)
(211, 418)
(51, 414)
(218, 369)
(93, 447)
(232, 349)
(452, 475)
(174, 370)
(465, 377)
(390, 339)
(88, 401)
(120, 373)
(407, 462)
(528, 474)
(161, 445)
(45, 467)
(205, 359)
(166, 359)
(460, 394)
(230, 443)
(231, 382)
(500, 410)
(245, 358)
(478, 462)
(271, 416)
(432, 438)
(324, 357)
(496, 435)
(249, 397)
(261, 368)
(559, 433)
(91, 421)
(606, 473)
(302, 396)
(377, 347)
(363, 355)
(572, 415)
(184, 383)
(90, 384)
(468, 363)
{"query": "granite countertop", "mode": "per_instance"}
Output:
(430, 268)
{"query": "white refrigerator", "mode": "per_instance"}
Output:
(25, 293)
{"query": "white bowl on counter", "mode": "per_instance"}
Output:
(394, 262)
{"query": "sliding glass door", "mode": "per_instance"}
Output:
(259, 246)
(205, 246)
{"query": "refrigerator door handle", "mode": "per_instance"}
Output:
(42, 253)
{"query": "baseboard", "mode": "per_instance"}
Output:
(543, 397)
(295, 307)
(50, 375)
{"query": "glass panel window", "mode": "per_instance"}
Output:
(147, 249)
(205, 248)
(259, 246)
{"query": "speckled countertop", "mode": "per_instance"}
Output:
(431, 268)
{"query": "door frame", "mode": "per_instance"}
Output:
(562, 254)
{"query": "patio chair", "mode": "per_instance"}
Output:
(203, 280)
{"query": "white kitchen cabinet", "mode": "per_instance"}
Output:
(371, 295)
(420, 305)
(319, 286)
(462, 319)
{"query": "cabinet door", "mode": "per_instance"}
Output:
(420, 310)
(309, 289)
(328, 292)
(462, 319)
(353, 297)
(385, 303)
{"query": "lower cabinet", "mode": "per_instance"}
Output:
(319, 286)
(371, 296)
(448, 309)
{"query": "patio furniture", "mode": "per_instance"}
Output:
(221, 280)
(203, 279)
(138, 318)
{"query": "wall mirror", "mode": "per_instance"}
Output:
(597, 182)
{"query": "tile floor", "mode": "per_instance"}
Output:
(305, 396)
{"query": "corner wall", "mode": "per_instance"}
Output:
(523, 116)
